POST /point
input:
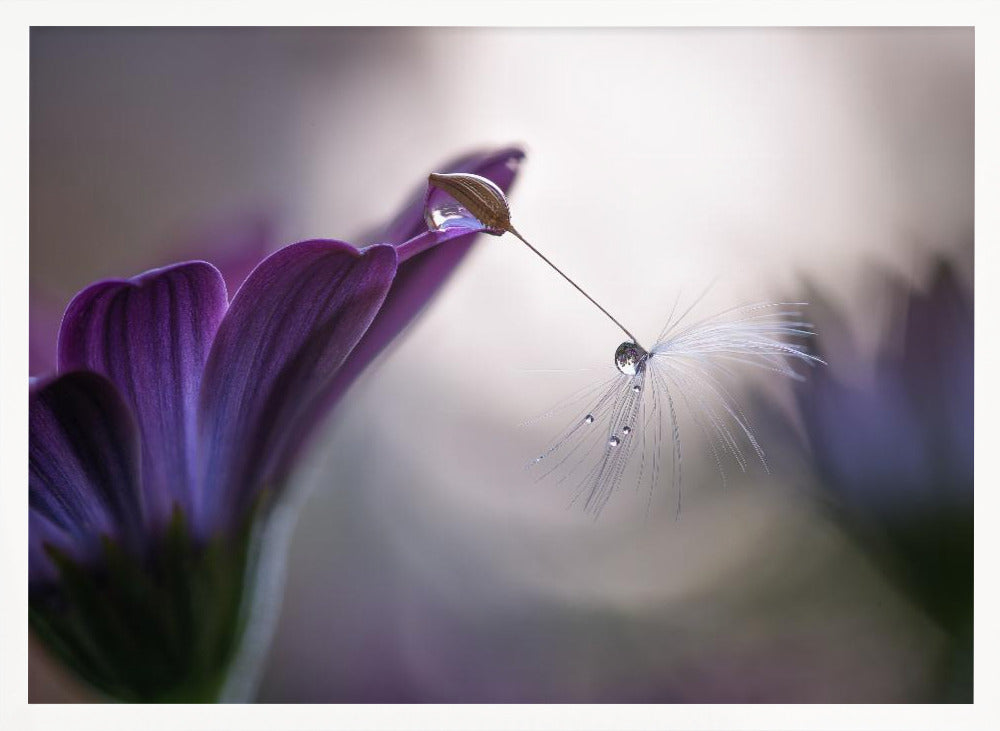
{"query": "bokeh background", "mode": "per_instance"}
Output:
(834, 165)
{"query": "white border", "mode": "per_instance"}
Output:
(15, 19)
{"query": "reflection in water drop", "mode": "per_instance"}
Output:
(630, 358)
(467, 201)
(614, 441)
(448, 214)
(589, 419)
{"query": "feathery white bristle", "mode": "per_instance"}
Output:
(688, 368)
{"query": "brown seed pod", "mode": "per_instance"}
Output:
(479, 196)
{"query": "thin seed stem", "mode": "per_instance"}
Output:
(579, 289)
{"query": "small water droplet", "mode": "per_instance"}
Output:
(626, 430)
(630, 358)
(589, 418)
(614, 441)
(539, 458)
(635, 388)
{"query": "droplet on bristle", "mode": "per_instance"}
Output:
(630, 358)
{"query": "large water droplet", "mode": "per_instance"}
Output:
(446, 213)
(614, 441)
(465, 201)
(630, 358)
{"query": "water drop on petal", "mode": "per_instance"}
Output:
(463, 200)
(614, 441)
(626, 430)
(443, 213)
(589, 418)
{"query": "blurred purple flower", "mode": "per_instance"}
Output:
(891, 444)
(176, 414)
(896, 455)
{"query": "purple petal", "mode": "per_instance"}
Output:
(150, 336)
(424, 265)
(42, 534)
(234, 247)
(937, 368)
(865, 439)
(289, 329)
(83, 466)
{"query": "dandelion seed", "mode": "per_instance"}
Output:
(687, 368)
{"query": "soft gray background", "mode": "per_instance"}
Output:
(426, 565)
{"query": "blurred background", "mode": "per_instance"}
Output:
(831, 165)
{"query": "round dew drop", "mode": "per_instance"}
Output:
(630, 359)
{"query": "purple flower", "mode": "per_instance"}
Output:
(899, 441)
(234, 247)
(894, 453)
(910, 423)
(177, 415)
